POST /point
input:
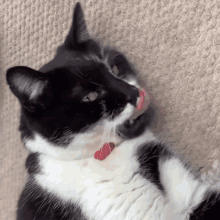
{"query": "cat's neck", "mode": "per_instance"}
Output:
(82, 147)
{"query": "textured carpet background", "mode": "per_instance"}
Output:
(174, 44)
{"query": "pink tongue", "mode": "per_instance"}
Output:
(141, 102)
(104, 151)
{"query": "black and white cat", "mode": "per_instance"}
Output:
(74, 104)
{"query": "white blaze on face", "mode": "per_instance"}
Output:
(125, 115)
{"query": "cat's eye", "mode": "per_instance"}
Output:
(115, 70)
(90, 97)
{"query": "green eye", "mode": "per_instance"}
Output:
(90, 97)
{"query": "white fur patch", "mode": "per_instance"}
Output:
(113, 188)
(132, 82)
(109, 189)
(182, 189)
(126, 114)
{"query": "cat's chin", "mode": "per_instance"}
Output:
(133, 128)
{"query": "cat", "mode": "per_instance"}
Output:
(74, 104)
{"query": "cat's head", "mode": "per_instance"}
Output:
(78, 100)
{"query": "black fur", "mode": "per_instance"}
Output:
(148, 157)
(35, 203)
(209, 209)
(32, 163)
(25, 131)
(58, 109)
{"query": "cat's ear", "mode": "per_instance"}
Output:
(78, 33)
(27, 85)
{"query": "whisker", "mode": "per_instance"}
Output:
(79, 73)
(114, 131)
(96, 84)
(104, 134)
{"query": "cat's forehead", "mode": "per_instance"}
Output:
(94, 61)
(88, 59)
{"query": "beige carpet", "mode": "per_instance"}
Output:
(174, 44)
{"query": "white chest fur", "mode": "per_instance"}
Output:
(109, 189)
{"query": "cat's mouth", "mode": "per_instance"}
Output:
(141, 118)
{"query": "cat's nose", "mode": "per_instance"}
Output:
(133, 95)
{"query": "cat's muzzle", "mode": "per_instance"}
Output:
(140, 119)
